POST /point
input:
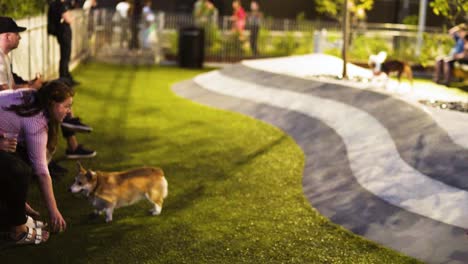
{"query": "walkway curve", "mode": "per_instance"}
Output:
(342, 200)
(374, 160)
(420, 141)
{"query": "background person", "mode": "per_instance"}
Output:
(89, 6)
(149, 26)
(254, 20)
(204, 13)
(199, 13)
(238, 18)
(122, 12)
(59, 25)
(444, 66)
(213, 13)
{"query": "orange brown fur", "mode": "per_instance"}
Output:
(110, 190)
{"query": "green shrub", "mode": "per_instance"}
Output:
(285, 45)
(305, 43)
(402, 48)
(213, 39)
(411, 20)
(228, 45)
(363, 46)
(19, 9)
(263, 42)
(232, 46)
(435, 45)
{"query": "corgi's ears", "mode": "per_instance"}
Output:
(90, 175)
(80, 167)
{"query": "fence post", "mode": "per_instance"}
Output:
(29, 47)
(225, 23)
(317, 42)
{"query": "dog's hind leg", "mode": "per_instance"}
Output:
(156, 196)
(109, 211)
(399, 73)
(156, 200)
(409, 75)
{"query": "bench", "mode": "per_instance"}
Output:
(460, 70)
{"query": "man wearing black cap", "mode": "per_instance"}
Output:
(9, 40)
(59, 21)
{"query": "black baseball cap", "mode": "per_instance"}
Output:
(7, 24)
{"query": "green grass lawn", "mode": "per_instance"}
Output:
(235, 184)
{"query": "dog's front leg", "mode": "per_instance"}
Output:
(99, 206)
(95, 214)
(109, 211)
(98, 212)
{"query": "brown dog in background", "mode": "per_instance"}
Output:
(401, 68)
(395, 66)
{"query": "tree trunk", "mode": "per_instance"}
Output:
(345, 39)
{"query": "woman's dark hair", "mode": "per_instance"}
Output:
(42, 100)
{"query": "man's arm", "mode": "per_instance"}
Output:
(66, 14)
(456, 28)
(21, 83)
(18, 79)
(67, 17)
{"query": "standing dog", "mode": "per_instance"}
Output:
(110, 190)
(379, 64)
(401, 68)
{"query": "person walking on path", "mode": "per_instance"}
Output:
(254, 20)
(238, 18)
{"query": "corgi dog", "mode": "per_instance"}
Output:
(110, 190)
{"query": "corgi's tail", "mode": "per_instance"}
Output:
(408, 73)
(164, 187)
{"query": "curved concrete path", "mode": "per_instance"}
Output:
(384, 168)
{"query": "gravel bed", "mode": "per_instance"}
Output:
(455, 106)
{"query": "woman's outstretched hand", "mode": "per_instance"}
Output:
(57, 222)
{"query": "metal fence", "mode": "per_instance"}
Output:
(100, 34)
(277, 37)
(282, 37)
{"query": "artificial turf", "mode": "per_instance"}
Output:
(235, 192)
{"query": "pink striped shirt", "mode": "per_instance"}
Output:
(32, 130)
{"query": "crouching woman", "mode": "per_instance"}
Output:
(33, 116)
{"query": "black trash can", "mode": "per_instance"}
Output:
(191, 47)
